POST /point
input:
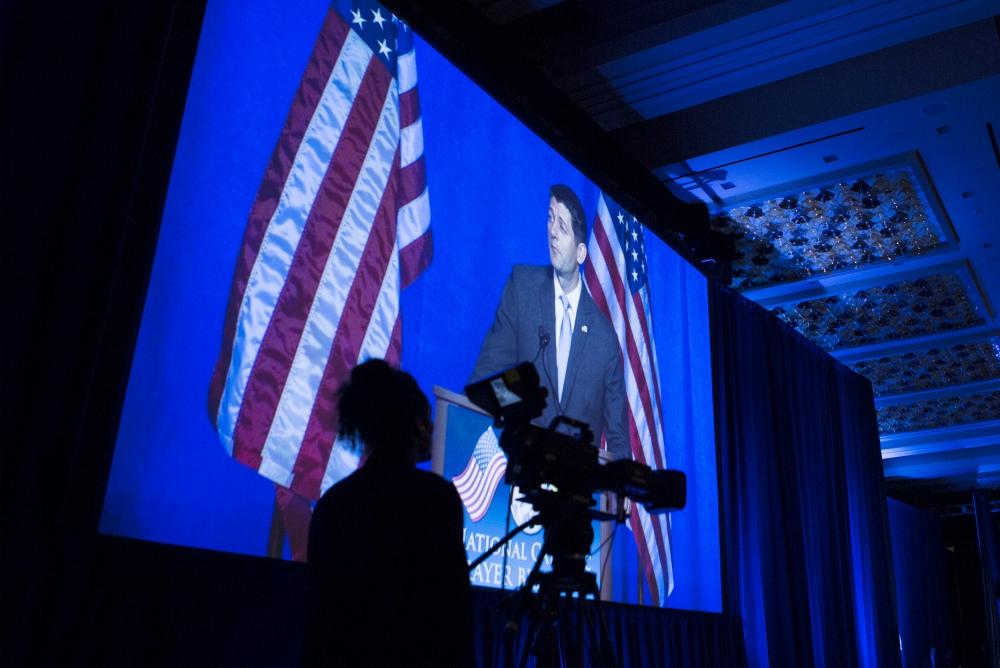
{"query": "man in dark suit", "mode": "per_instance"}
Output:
(547, 316)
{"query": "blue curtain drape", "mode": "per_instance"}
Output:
(806, 529)
(639, 636)
(921, 582)
(989, 554)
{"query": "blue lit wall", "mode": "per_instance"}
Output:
(488, 177)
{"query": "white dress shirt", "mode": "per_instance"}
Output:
(574, 301)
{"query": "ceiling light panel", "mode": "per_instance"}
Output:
(934, 368)
(890, 312)
(842, 225)
(938, 413)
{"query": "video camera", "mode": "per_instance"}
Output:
(559, 473)
(541, 458)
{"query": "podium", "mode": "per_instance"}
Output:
(466, 451)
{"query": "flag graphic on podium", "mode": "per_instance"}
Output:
(340, 225)
(617, 280)
(477, 484)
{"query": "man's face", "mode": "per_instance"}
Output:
(565, 253)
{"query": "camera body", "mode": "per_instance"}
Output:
(559, 473)
(565, 464)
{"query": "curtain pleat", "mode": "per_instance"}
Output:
(989, 554)
(921, 583)
(806, 532)
(638, 635)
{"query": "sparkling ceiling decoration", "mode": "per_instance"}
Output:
(900, 310)
(934, 368)
(936, 413)
(859, 221)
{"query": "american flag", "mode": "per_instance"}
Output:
(617, 279)
(340, 225)
(478, 482)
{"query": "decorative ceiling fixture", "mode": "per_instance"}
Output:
(834, 226)
(900, 310)
(933, 368)
(937, 413)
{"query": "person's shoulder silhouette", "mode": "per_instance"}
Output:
(385, 543)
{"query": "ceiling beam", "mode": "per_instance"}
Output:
(916, 344)
(478, 48)
(889, 273)
(947, 462)
(927, 441)
(579, 34)
(943, 60)
(958, 390)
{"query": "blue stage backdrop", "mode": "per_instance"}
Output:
(488, 178)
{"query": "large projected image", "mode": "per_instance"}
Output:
(407, 218)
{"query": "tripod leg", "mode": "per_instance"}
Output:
(566, 638)
(533, 637)
(549, 646)
(589, 648)
(571, 649)
(513, 616)
(608, 658)
(582, 632)
(508, 640)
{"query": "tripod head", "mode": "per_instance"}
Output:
(569, 533)
(559, 474)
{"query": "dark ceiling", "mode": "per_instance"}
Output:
(847, 149)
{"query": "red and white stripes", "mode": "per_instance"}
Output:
(628, 310)
(340, 224)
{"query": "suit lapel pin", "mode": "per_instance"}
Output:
(584, 329)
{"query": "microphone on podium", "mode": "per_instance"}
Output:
(543, 340)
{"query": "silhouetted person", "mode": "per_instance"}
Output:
(385, 543)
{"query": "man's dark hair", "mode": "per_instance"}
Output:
(565, 196)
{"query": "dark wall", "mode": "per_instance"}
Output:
(922, 583)
(965, 588)
(93, 97)
(90, 110)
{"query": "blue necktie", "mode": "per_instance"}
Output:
(565, 340)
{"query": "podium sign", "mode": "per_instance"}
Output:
(467, 452)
